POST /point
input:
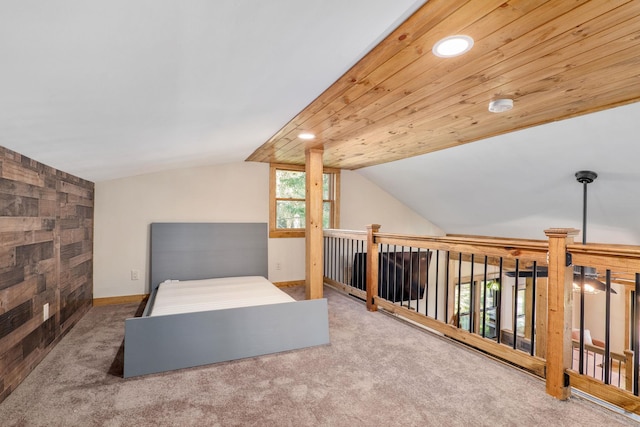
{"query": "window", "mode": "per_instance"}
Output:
(486, 295)
(521, 311)
(462, 304)
(489, 307)
(287, 203)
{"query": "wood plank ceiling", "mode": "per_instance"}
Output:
(556, 59)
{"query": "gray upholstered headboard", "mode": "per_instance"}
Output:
(192, 251)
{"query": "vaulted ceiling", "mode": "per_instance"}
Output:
(107, 89)
(111, 89)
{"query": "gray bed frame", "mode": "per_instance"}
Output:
(191, 251)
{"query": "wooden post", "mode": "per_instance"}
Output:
(628, 370)
(372, 267)
(541, 317)
(560, 300)
(313, 227)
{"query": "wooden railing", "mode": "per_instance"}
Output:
(511, 298)
(620, 370)
(619, 265)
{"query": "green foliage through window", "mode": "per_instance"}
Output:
(290, 186)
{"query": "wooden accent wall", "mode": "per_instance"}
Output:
(46, 257)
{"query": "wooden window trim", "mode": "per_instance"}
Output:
(300, 232)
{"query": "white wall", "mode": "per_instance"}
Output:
(594, 309)
(124, 208)
(363, 202)
(236, 192)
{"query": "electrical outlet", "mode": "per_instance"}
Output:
(135, 275)
(45, 312)
(278, 266)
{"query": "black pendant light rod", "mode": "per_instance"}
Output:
(585, 177)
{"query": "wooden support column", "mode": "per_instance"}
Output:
(372, 267)
(560, 300)
(313, 228)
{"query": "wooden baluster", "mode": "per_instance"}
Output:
(628, 370)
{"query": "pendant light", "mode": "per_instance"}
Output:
(586, 278)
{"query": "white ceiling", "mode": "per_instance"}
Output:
(108, 89)
(111, 89)
(519, 184)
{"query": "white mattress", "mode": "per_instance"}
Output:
(214, 294)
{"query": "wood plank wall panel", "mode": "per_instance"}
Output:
(46, 256)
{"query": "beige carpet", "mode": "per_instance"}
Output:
(376, 371)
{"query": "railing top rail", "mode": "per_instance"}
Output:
(512, 245)
(622, 260)
(603, 249)
(352, 234)
(530, 250)
(509, 243)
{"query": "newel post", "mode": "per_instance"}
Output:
(372, 267)
(560, 300)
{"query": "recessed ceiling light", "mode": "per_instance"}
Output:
(306, 136)
(501, 105)
(452, 46)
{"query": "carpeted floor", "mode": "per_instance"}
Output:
(376, 371)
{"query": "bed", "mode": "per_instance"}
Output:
(210, 302)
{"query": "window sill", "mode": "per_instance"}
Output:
(275, 234)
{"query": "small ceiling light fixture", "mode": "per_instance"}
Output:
(451, 46)
(501, 105)
(307, 136)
